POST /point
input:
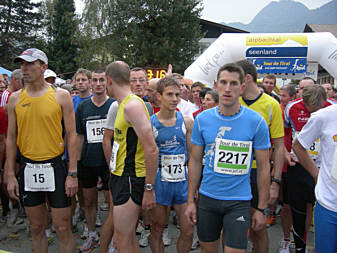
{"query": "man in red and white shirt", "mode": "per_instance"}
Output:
(14, 85)
(300, 182)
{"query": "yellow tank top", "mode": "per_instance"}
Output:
(39, 126)
(130, 155)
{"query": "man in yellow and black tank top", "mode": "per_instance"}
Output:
(34, 126)
(134, 158)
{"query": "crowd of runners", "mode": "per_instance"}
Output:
(222, 159)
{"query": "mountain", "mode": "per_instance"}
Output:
(289, 16)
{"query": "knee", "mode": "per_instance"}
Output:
(37, 228)
(62, 230)
(157, 228)
(187, 231)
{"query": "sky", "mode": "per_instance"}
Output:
(233, 10)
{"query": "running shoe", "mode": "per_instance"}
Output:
(99, 221)
(85, 232)
(112, 247)
(166, 238)
(195, 243)
(139, 228)
(144, 238)
(89, 244)
(285, 246)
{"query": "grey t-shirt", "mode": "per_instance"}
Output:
(112, 114)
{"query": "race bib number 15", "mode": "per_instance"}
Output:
(39, 177)
(232, 157)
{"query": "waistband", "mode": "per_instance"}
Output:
(52, 160)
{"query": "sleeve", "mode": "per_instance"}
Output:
(286, 117)
(276, 124)
(112, 113)
(3, 121)
(197, 137)
(78, 116)
(261, 139)
(310, 132)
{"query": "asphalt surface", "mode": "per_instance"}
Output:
(17, 238)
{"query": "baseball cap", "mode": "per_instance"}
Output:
(32, 54)
(49, 73)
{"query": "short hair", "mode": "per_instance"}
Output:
(270, 77)
(177, 76)
(197, 84)
(248, 68)
(203, 92)
(139, 69)
(17, 74)
(232, 67)
(313, 94)
(83, 72)
(214, 95)
(290, 89)
(166, 82)
(98, 71)
(119, 72)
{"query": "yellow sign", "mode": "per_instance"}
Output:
(268, 40)
(155, 73)
(335, 138)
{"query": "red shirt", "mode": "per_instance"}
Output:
(3, 121)
(4, 98)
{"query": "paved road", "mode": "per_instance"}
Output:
(19, 241)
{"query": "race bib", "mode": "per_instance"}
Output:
(334, 166)
(173, 168)
(39, 177)
(232, 157)
(314, 148)
(113, 157)
(95, 130)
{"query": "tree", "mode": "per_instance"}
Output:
(152, 33)
(19, 28)
(63, 47)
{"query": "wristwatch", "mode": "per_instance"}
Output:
(265, 211)
(278, 181)
(72, 174)
(148, 187)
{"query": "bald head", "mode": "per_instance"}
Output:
(151, 91)
(119, 72)
(305, 83)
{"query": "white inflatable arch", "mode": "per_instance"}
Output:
(232, 47)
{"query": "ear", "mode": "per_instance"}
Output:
(216, 85)
(158, 96)
(248, 78)
(243, 87)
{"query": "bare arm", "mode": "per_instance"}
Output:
(11, 148)
(278, 158)
(64, 99)
(305, 159)
(189, 126)
(263, 176)
(107, 137)
(194, 175)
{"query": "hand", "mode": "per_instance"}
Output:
(149, 200)
(290, 158)
(13, 187)
(273, 193)
(169, 70)
(258, 221)
(71, 186)
(191, 213)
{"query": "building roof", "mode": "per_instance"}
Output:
(321, 28)
(214, 30)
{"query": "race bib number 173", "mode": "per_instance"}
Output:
(232, 157)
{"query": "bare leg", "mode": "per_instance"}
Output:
(186, 230)
(125, 219)
(90, 206)
(159, 221)
(107, 230)
(37, 217)
(62, 223)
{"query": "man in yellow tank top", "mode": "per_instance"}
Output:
(34, 115)
(134, 159)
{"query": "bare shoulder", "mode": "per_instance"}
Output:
(14, 98)
(188, 121)
(134, 111)
(62, 96)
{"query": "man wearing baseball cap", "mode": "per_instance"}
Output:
(34, 120)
